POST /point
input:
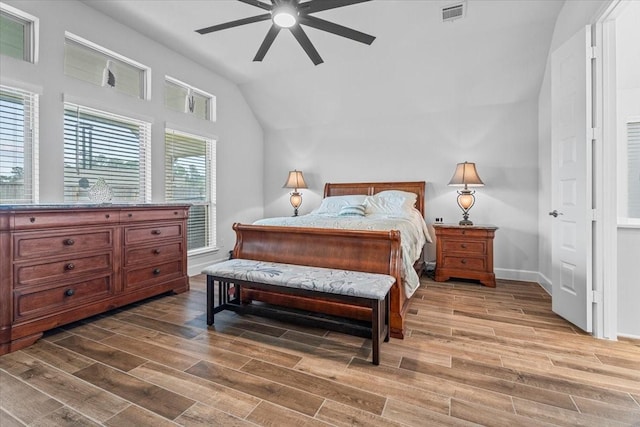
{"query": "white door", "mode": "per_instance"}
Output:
(571, 151)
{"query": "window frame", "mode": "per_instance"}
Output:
(144, 167)
(31, 170)
(32, 31)
(211, 114)
(210, 184)
(146, 71)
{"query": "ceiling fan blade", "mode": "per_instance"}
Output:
(237, 23)
(319, 5)
(336, 29)
(257, 3)
(304, 41)
(267, 42)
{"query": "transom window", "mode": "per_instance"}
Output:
(182, 97)
(189, 177)
(18, 146)
(17, 33)
(87, 61)
(97, 145)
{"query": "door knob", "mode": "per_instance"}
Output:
(554, 213)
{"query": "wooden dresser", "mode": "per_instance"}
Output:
(59, 264)
(465, 252)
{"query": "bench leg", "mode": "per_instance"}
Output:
(375, 331)
(387, 313)
(210, 299)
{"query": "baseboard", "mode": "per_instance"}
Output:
(525, 276)
(630, 336)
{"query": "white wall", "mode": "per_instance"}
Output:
(501, 139)
(573, 16)
(628, 106)
(240, 137)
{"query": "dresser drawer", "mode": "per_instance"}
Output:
(153, 254)
(129, 215)
(61, 270)
(30, 245)
(34, 220)
(466, 246)
(51, 300)
(465, 262)
(152, 274)
(133, 235)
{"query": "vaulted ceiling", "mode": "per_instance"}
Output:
(418, 64)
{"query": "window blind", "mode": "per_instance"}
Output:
(15, 36)
(18, 146)
(100, 68)
(633, 168)
(181, 97)
(189, 178)
(98, 144)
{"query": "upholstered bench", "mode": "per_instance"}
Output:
(351, 287)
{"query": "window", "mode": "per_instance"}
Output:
(18, 146)
(190, 178)
(633, 169)
(89, 62)
(103, 145)
(182, 97)
(17, 34)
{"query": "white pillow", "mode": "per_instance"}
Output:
(333, 204)
(391, 202)
(352, 210)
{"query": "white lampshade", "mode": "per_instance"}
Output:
(295, 180)
(466, 175)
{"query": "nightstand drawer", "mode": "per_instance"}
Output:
(465, 262)
(466, 246)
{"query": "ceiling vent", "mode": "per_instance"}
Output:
(453, 12)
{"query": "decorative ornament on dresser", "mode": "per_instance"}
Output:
(100, 192)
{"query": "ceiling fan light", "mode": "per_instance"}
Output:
(285, 16)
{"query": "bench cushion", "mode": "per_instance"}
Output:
(327, 280)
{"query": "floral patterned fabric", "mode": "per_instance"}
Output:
(341, 282)
(413, 231)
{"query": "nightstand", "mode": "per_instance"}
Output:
(465, 251)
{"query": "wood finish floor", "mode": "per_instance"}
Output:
(474, 355)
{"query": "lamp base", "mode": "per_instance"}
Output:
(465, 222)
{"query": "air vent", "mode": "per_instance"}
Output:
(453, 12)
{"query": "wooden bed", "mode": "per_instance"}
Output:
(370, 251)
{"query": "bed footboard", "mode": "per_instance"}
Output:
(369, 251)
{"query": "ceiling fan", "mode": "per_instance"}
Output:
(291, 14)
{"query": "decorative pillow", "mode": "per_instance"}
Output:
(333, 204)
(391, 202)
(352, 210)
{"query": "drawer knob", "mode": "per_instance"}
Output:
(32, 219)
(130, 215)
(69, 266)
(156, 271)
(68, 242)
(69, 292)
(156, 232)
(463, 261)
(463, 246)
(156, 251)
(107, 216)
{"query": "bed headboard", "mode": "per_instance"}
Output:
(371, 188)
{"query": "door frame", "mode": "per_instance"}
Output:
(605, 253)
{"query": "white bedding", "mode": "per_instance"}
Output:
(413, 231)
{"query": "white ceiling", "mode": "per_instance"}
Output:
(417, 65)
